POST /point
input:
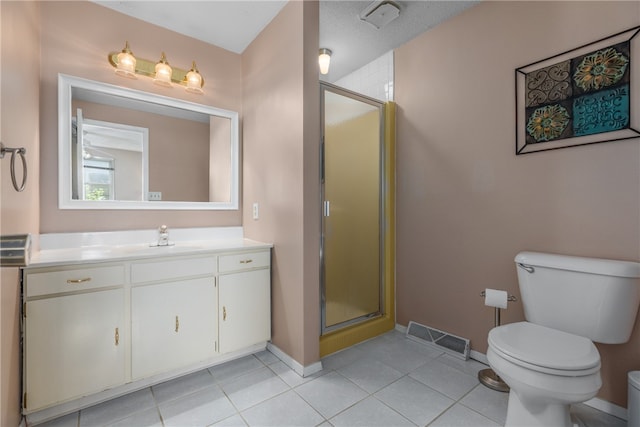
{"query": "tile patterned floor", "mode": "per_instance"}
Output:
(387, 381)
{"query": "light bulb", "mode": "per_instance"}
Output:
(324, 60)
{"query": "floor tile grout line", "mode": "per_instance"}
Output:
(333, 416)
(475, 410)
(189, 393)
(118, 419)
(157, 406)
(393, 409)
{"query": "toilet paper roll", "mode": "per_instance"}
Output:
(495, 298)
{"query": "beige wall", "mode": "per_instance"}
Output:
(466, 205)
(280, 138)
(19, 214)
(76, 38)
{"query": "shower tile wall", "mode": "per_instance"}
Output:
(374, 79)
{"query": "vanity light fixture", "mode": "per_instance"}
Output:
(324, 59)
(126, 65)
(163, 74)
(194, 80)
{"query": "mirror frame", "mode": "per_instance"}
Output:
(67, 83)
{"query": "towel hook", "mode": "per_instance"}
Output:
(22, 152)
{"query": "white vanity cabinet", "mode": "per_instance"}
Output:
(174, 321)
(244, 293)
(74, 333)
(93, 331)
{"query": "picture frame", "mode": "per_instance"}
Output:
(588, 95)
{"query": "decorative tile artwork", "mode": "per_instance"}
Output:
(583, 96)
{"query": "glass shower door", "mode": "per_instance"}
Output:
(352, 206)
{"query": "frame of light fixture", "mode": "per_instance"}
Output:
(145, 67)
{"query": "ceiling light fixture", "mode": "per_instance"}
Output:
(127, 65)
(324, 59)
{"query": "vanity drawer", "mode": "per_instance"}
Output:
(167, 269)
(89, 277)
(244, 261)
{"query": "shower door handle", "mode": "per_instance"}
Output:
(326, 208)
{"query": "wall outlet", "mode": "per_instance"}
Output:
(155, 195)
(256, 211)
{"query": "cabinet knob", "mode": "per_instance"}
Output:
(117, 336)
(224, 313)
(177, 323)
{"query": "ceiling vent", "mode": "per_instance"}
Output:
(380, 13)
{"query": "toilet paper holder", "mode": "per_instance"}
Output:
(510, 298)
(487, 376)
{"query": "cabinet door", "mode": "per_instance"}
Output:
(172, 325)
(245, 309)
(74, 346)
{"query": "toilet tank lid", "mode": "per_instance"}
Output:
(607, 267)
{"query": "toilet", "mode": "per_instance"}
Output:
(550, 361)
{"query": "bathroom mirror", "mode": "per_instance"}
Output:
(121, 148)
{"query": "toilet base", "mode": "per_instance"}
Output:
(492, 380)
(536, 415)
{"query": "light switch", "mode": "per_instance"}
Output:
(256, 211)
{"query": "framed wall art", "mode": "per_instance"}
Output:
(588, 95)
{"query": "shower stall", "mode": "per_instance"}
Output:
(357, 217)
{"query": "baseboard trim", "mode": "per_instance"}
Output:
(303, 371)
(480, 357)
(401, 329)
(608, 407)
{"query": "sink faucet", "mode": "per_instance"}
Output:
(163, 236)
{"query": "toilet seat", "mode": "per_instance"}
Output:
(545, 350)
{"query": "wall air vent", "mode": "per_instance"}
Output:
(444, 341)
(380, 13)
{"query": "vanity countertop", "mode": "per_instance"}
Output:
(104, 247)
(81, 255)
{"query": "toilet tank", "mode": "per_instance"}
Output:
(595, 298)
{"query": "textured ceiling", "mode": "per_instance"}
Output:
(355, 43)
(232, 25)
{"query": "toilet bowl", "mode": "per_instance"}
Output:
(546, 369)
(550, 361)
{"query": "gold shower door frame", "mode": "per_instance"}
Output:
(362, 254)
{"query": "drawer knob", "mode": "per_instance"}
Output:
(246, 261)
(78, 281)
